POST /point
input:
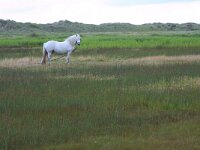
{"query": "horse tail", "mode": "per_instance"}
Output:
(43, 61)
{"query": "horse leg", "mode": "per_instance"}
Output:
(49, 58)
(45, 56)
(68, 58)
(43, 61)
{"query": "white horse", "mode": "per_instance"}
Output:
(60, 48)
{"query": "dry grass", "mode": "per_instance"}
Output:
(103, 60)
(181, 83)
(161, 60)
(86, 76)
(143, 61)
(92, 58)
(20, 62)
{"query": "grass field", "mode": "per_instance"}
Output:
(120, 92)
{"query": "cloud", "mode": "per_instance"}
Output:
(101, 11)
(176, 12)
(142, 2)
(45, 11)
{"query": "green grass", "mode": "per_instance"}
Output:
(107, 41)
(112, 45)
(138, 41)
(102, 103)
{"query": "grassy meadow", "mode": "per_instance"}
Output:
(120, 92)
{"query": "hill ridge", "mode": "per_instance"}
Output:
(11, 26)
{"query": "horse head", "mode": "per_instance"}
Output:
(78, 39)
(74, 39)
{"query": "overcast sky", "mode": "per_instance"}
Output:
(101, 11)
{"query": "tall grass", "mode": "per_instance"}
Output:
(45, 107)
(138, 41)
(107, 41)
(102, 103)
(108, 44)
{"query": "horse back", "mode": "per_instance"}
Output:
(58, 47)
(50, 45)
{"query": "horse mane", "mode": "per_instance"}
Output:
(71, 39)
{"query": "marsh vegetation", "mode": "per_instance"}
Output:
(121, 91)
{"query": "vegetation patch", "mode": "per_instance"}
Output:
(121, 91)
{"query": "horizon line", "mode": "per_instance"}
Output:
(100, 23)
